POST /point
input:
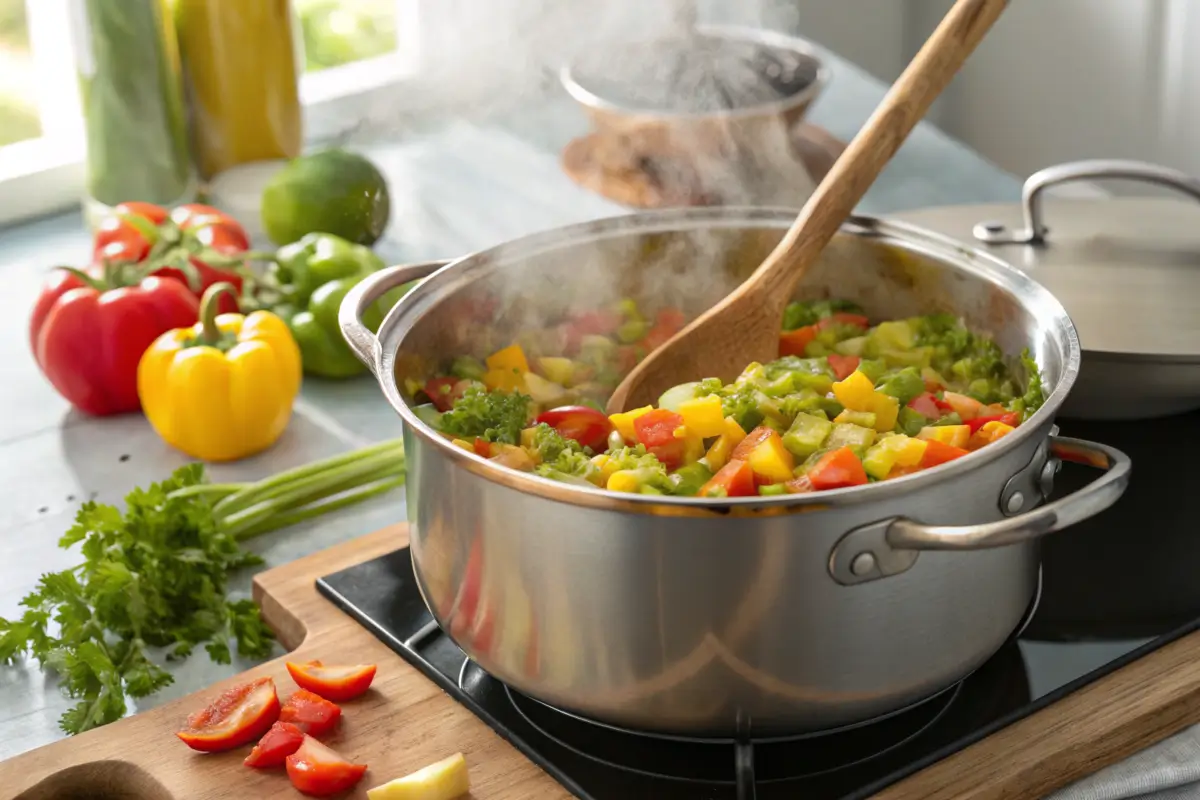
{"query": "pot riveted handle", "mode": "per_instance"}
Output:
(1031, 194)
(367, 291)
(1087, 502)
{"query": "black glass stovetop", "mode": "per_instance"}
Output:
(1063, 647)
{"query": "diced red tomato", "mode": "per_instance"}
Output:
(443, 392)
(966, 407)
(275, 746)
(333, 682)
(926, 405)
(842, 318)
(121, 235)
(939, 453)
(942, 404)
(237, 717)
(482, 447)
(735, 479)
(838, 469)
(1012, 419)
(656, 430)
(310, 712)
(799, 485)
(793, 343)
(843, 366)
(596, 323)
(753, 439)
(585, 425)
(319, 771)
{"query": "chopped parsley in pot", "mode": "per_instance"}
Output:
(846, 403)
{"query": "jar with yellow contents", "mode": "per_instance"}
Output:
(241, 81)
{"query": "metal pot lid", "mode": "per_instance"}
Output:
(1127, 269)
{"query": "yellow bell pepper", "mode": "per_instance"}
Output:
(718, 454)
(953, 435)
(771, 460)
(623, 421)
(222, 389)
(856, 393)
(511, 358)
(988, 433)
(703, 416)
(887, 411)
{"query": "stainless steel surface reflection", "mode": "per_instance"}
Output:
(713, 617)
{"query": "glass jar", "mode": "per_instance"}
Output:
(240, 81)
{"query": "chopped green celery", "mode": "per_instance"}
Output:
(810, 402)
(632, 330)
(850, 347)
(911, 421)
(983, 390)
(878, 460)
(820, 384)
(949, 419)
(709, 386)
(805, 366)
(816, 349)
(596, 349)
(772, 412)
(754, 373)
(918, 357)
(806, 435)
(688, 479)
(784, 384)
(742, 403)
(1034, 398)
(807, 312)
(772, 490)
(903, 385)
(648, 489)
(676, 395)
(872, 369)
(467, 367)
(429, 415)
(559, 370)
(864, 418)
(891, 335)
(846, 434)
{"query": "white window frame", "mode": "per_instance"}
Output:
(44, 176)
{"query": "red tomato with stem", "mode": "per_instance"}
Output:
(584, 424)
(237, 717)
(128, 232)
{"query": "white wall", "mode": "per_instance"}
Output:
(1056, 80)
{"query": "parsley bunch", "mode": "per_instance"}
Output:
(154, 578)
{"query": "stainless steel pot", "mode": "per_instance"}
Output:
(709, 616)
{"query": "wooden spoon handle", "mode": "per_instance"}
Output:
(865, 157)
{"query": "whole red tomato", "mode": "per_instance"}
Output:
(88, 333)
(128, 233)
(212, 228)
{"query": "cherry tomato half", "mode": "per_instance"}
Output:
(585, 425)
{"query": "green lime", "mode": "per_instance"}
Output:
(332, 191)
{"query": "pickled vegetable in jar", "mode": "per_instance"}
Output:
(241, 81)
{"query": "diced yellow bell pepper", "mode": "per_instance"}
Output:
(731, 436)
(511, 358)
(623, 421)
(703, 416)
(865, 419)
(953, 435)
(887, 410)
(443, 780)
(527, 437)
(892, 451)
(504, 380)
(771, 460)
(988, 433)
(559, 370)
(606, 467)
(856, 392)
(463, 444)
(909, 451)
(623, 481)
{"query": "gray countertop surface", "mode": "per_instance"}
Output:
(458, 188)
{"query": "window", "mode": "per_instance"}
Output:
(352, 51)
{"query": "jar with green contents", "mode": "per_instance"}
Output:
(130, 87)
(241, 81)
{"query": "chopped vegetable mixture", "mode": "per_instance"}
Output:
(845, 404)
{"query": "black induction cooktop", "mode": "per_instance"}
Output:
(1092, 619)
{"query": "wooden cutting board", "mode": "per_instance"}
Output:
(406, 722)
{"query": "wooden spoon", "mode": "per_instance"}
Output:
(745, 326)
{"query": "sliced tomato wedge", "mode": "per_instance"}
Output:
(337, 682)
(319, 771)
(926, 405)
(237, 717)
(275, 746)
(843, 366)
(310, 712)
(1012, 419)
(656, 429)
(793, 343)
(838, 469)
(735, 479)
(585, 425)
(939, 453)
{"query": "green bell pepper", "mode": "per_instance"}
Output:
(312, 276)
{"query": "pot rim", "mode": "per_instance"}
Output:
(981, 264)
(590, 100)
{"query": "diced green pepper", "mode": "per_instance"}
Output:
(872, 368)
(891, 335)
(851, 347)
(806, 435)
(467, 367)
(903, 385)
(772, 490)
(865, 419)
(911, 421)
(847, 434)
(688, 479)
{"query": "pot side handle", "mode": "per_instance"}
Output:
(1031, 194)
(905, 534)
(367, 291)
